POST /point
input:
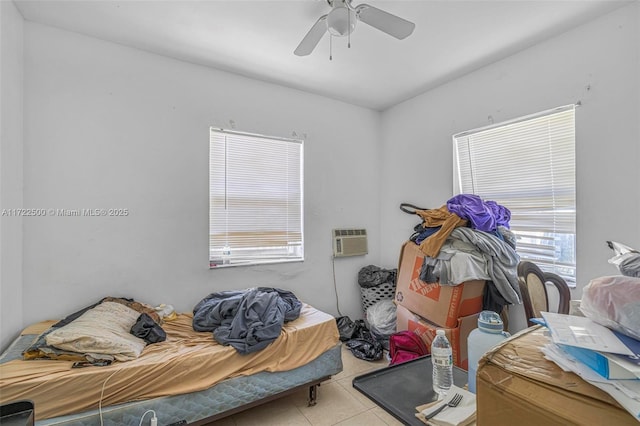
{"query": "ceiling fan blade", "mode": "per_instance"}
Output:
(311, 40)
(385, 21)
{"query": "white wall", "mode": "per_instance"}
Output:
(108, 126)
(11, 25)
(597, 64)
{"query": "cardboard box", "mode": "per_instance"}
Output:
(407, 320)
(516, 384)
(441, 305)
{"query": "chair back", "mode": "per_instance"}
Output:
(533, 286)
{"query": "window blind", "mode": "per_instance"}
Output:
(256, 199)
(528, 166)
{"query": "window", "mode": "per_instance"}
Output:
(528, 166)
(255, 197)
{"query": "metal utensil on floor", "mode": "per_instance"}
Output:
(454, 402)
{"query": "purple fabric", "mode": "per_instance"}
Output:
(501, 213)
(483, 216)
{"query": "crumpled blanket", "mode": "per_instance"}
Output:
(502, 261)
(248, 320)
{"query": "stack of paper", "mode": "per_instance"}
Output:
(604, 358)
(608, 365)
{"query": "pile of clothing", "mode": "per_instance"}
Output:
(114, 328)
(469, 239)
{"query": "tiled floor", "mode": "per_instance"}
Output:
(338, 403)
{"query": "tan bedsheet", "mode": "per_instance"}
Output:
(187, 361)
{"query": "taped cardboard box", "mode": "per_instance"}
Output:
(516, 384)
(441, 305)
(407, 320)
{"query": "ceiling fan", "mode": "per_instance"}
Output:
(342, 19)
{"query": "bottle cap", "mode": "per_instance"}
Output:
(490, 322)
(440, 332)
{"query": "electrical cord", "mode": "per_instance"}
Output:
(154, 419)
(335, 286)
(102, 395)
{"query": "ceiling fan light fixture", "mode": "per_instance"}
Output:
(341, 21)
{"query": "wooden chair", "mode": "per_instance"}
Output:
(532, 281)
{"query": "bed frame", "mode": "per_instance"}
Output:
(222, 400)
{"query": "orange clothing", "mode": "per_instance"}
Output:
(438, 217)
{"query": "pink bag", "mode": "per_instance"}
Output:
(405, 346)
(613, 301)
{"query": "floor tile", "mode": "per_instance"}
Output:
(367, 418)
(275, 413)
(348, 386)
(353, 366)
(386, 417)
(336, 405)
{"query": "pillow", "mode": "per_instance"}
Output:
(103, 329)
(141, 308)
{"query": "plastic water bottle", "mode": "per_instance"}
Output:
(488, 334)
(442, 359)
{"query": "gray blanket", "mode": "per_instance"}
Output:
(249, 320)
(502, 261)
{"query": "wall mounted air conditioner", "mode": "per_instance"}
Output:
(349, 242)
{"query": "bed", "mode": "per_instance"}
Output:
(187, 378)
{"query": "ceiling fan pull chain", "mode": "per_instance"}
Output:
(330, 47)
(349, 26)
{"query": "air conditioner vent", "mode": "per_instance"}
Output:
(349, 242)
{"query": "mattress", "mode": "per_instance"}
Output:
(175, 373)
(223, 397)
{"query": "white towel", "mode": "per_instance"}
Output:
(463, 414)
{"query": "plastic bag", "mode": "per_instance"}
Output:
(626, 259)
(365, 347)
(381, 318)
(371, 276)
(614, 302)
(346, 327)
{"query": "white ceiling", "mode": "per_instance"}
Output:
(257, 38)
